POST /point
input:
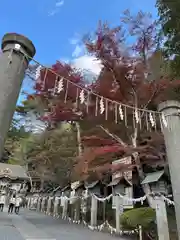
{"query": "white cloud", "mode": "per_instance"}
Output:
(78, 45)
(80, 58)
(59, 4)
(75, 39)
(52, 13)
(89, 63)
(56, 8)
(78, 51)
(65, 60)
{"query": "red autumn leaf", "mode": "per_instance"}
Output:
(128, 76)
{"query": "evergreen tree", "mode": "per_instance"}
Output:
(170, 20)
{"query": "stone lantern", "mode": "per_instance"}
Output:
(66, 190)
(119, 185)
(78, 188)
(76, 194)
(93, 187)
(158, 182)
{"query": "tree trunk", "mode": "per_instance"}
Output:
(80, 149)
(145, 187)
(42, 184)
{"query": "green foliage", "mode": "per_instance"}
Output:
(34, 105)
(144, 217)
(170, 19)
(12, 161)
(51, 153)
(15, 134)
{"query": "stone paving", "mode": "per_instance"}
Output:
(31, 225)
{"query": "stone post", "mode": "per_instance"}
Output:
(49, 206)
(94, 205)
(55, 210)
(161, 219)
(38, 204)
(171, 111)
(119, 211)
(140, 233)
(29, 202)
(43, 204)
(77, 206)
(65, 208)
(13, 65)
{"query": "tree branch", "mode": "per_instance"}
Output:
(113, 136)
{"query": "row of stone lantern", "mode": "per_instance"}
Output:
(157, 181)
(79, 189)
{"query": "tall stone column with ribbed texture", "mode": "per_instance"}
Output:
(13, 64)
(171, 111)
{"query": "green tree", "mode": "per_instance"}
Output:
(51, 154)
(170, 20)
(16, 133)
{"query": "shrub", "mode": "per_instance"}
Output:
(144, 216)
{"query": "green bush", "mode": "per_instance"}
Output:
(12, 161)
(144, 216)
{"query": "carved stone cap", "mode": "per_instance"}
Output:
(169, 104)
(25, 43)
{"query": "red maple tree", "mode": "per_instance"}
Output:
(133, 74)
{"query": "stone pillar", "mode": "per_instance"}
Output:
(56, 201)
(38, 204)
(43, 204)
(140, 233)
(29, 202)
(13, 65)
(161, 219)
(65, 208)
(77, 206)
(49, 206)
(171, 111)
(119, 211)
(94, 205)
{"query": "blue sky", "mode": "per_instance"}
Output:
(56, 27)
